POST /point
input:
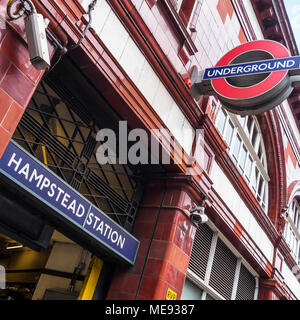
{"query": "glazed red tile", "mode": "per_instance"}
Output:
(12, 117)
(16, 52)
(4, 65)
(5, 103)
(4, 139)
(17, 85)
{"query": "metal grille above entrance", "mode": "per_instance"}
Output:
(60, 131)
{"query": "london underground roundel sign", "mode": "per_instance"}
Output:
(251, 78)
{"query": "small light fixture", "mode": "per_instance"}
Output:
(188, 82)
(13, 245)
(197, 213)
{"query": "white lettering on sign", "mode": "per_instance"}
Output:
(105, 230)
(266, 66)
(55, 193)
(41, 182)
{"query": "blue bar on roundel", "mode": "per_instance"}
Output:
(243, 69)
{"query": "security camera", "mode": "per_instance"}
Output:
(197, 214)
(35, 28)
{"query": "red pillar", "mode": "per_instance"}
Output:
(166, 236)
(269, 289)
(18, 78)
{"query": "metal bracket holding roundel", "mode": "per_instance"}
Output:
(199, 86)
(251, 78)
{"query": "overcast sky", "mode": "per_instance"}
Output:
(293, 10)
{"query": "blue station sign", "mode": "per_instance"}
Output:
(27, 172)
(243, 69)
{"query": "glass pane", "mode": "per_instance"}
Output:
(237, 146)
(294, 243)
(292, 213)
(229, 132)
(221, 121)
(255, 179)
(265, 192)
(248, 126)
(234, 160)
(254, 136)
(259, 153)
(243, 157)
(296, 218)
(191, 291)
(261, 181)
(249, 167)
(284, 231)
(289, 236)
(208, 297)
(287, 233)
(262, 160)
(242, 120)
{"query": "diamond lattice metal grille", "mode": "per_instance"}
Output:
(59, 131)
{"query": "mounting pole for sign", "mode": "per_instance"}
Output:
(199, 86)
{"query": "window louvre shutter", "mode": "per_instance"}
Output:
(200, 251)
(246, 285)
(223, 270)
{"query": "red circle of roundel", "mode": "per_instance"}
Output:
(223, 88)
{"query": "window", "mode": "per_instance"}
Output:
(176, 4)
(246, 148)
(292, 230)
(215, 272)
(188, 11)
(183, 16)
(191, 291)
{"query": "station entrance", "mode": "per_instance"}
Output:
(44, 257)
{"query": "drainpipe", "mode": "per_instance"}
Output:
(150, 240)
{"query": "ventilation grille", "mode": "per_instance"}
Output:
(246, 285)
(223, 270)
(200, 251)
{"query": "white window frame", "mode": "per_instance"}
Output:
(176, 4)
(292, 231)
(204, 284)
(241, 132)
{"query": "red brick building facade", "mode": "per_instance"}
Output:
(136, 55)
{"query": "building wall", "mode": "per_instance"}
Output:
(18, 77)
(247, 220)
(122, 46)
(290, 280)
(291, 137)
(137, 54)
